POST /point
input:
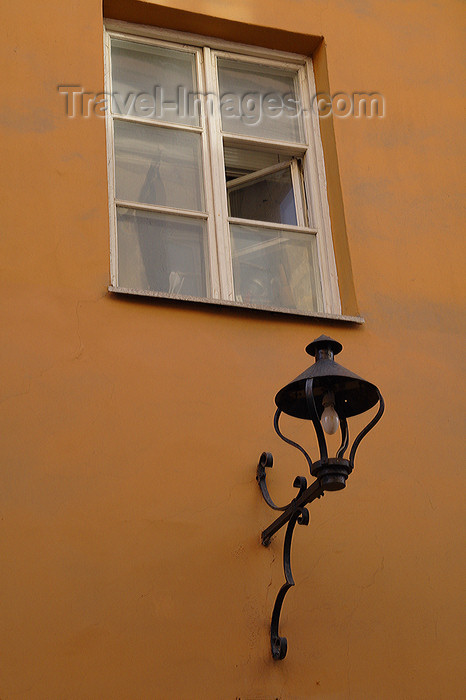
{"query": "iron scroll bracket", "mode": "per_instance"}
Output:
(294, 512)
(306, 494)
(280, 644)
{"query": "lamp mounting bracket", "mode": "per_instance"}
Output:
(326, 394)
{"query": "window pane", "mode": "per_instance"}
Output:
(161, 253)
(155, 165)
(259, 101)
(153, 82)
(275, 268)
(267, 198)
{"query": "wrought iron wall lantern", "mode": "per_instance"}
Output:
(326, 394)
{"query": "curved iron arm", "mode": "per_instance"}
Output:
(276, 418)
(344, 437)
(266, 461)
(279, 644)
(368, 427)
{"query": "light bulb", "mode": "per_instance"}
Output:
(330, 421)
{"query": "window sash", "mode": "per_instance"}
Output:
(213, 276)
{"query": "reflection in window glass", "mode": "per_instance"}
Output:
(158, 76)
(275, 268)
(265, 186)
(259, 101)
(156, 165)
(268, 197)
(161, 253)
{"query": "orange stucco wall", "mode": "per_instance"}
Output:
(130, 429)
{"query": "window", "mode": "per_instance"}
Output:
(216, 176)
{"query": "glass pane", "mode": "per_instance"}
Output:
(275, 268)
(259, 101)
(266, 198)
(161, 253)
(154, 83)
(155, 165)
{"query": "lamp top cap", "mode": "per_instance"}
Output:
(324, 341)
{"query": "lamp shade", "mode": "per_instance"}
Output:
(353, 395)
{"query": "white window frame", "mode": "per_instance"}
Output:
(220, 277)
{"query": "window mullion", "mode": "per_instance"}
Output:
(218, 178)
(110, 163)
(208, 184)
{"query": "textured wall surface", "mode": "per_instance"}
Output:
(130, 429)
